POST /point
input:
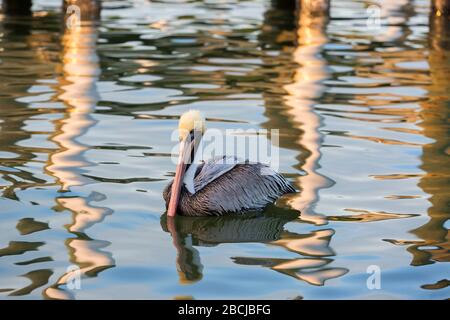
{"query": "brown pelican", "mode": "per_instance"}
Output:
(220, 185)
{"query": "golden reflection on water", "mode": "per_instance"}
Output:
(79, 94)
(80, 64)
(312, 18)
(434, 114)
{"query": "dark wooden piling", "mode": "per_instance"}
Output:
(439, 25)
(440, 7)
(284, 4)
(17, 7)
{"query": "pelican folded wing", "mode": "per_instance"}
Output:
(212, 169)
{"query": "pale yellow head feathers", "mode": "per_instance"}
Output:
(191, 120)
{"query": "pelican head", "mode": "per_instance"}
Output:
(191, 121)
(191, 128)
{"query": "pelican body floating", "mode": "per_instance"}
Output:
(221, 185)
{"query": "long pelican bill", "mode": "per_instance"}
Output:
(186, 148)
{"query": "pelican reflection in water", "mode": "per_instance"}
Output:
(312, 249)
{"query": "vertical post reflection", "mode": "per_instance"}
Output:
(84, 252)
(435, 113)
(79, 93)
(312, 19)
(81, 70)
(14, 114)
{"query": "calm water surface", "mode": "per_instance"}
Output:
(86, 116)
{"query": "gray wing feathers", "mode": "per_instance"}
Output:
(212, 169)
(244, 187)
